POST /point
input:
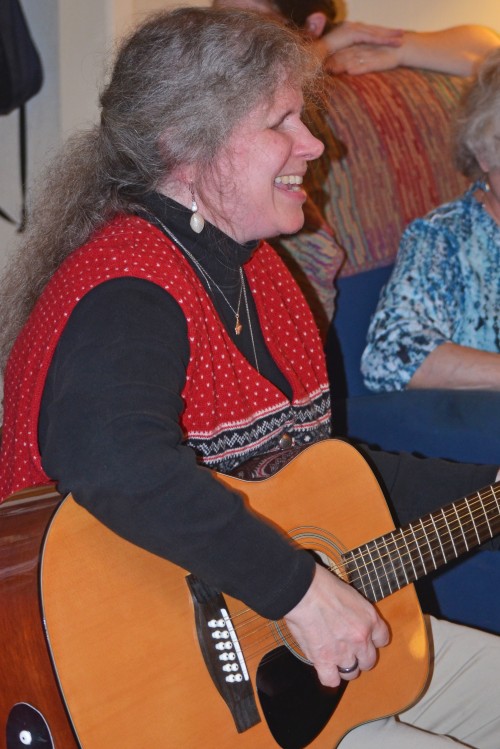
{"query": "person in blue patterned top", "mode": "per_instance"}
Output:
(437, 324)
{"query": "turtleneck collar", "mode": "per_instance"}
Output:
(218, 254)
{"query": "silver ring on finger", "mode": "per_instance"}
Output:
(349, 669)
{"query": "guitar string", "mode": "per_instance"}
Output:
(443, 523)
(434, 527)
(266, 628)
(419, 530)
(252, 619)
(266, 631)
(414, 539)
(447, 549)
(412, 551)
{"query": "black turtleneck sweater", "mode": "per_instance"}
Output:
(109, 431)
(109, 426)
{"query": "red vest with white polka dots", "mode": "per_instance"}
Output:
(231, 412)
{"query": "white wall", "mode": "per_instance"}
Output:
(408, 14)
(425, 14)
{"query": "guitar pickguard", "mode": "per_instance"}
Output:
(295, 704)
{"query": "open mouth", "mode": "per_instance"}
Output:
(290, 182)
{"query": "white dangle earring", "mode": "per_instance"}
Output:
(196, 222)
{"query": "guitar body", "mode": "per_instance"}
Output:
(29, 696)
(121, 627)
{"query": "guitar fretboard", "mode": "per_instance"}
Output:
(388, 563)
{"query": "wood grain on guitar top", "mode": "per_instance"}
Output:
(122, 634)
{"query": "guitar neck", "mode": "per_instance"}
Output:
(388, 563)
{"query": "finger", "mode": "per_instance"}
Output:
(328, 674)
(351, 676)
(348, 673)
(382, 31)
(381, 634)
(380, 39)
(367, 657)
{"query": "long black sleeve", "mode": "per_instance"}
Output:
(109, 433)
(415, 486)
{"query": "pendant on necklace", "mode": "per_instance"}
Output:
(238, 327)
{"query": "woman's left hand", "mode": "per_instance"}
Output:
(350, 33)
(363, 58)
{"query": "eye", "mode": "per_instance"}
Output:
(282, 121)
(289, 119)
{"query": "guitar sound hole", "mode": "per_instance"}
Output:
(296, 705)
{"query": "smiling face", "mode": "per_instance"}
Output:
(258, 192)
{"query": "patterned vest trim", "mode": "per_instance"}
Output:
(231, 412)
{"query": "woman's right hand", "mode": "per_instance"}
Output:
(335, 626)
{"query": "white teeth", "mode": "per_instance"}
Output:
(289, 179)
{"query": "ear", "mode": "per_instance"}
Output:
(315, 24)
(483, 163)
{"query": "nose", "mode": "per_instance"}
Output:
(309, 146)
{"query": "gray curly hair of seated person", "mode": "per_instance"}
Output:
(477, 135)
(180, 84)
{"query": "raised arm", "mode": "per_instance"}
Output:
(456, 50)
(353, 34)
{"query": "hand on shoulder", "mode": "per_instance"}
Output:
(363, 58)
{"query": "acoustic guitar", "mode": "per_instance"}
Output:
(146, 655)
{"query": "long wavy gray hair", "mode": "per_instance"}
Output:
(180, 84)
(477, 135)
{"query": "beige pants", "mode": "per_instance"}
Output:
(461, 706)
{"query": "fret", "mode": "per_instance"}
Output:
(378, 568)
(354, 573)
(450, 534)
(428, 542)
(367, 571)
(494, 492)
(438, 536)
(481, 500)
(402, 556)
(492, 509)
(454, 508)
(408, 554)
(372, 578)
(473, 520)
(417, 545)
(401, 565)
(392, 575)
(495, 518)
(387, 577)
(398, 553)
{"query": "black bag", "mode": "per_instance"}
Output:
(21, 77)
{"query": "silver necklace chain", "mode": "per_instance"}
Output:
(238, 327)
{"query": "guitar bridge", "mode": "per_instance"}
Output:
(222, 653)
